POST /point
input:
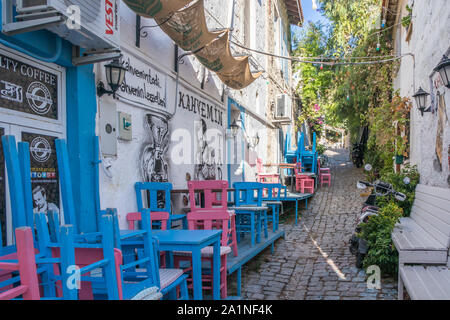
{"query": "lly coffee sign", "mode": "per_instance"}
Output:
(28, 88)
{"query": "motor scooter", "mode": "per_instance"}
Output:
(358, 246)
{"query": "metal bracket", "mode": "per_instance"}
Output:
(95, 57)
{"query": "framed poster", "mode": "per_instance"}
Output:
(44, 172)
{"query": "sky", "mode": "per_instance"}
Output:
(309, 14)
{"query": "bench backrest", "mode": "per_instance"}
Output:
(431, 210)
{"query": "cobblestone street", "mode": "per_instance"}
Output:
(314, 261)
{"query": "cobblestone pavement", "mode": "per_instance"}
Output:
(314, 261)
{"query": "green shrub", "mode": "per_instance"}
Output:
(377, 232)
(396, 179)
(321, 149)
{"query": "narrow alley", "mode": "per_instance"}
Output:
(314, 262)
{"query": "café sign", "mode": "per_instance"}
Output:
(143, 85)
(195, 104)
(27, 87)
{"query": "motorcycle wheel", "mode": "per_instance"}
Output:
(359, 163)
(359, 260)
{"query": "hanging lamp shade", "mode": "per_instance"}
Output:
(444, 70)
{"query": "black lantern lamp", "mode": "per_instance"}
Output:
(234, 128)
(115, 74)
(421, 101)
(444, 70)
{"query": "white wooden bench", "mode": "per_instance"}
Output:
(423, 242)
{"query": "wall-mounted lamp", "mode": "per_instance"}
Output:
(234, 128)
(421, 97)
(444, 70)
(115, 74)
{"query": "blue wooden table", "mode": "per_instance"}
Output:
(194, 241)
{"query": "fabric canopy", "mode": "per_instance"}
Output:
(185, 23)
(239, 76)
(233, 71)
(155, 8)
(187, 27)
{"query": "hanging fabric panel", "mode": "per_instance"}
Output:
(217, 55)
(188, 28)
(155, 8)
(239, 76)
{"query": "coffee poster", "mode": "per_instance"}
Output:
(27, 88)
(44, 172)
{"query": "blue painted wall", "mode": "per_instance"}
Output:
(81, 106)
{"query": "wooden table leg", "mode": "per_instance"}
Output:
(197, 274)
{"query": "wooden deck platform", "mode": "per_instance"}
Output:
(246, 252)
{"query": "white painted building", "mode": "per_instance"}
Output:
(152, 132)
(427, 39)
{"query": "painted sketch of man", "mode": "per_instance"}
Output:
(41, 203)
(205, 157)
(154, 167)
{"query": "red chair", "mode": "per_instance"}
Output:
(208, 195)
(208, 221)
(265, 177)
(26, 265)
(162, 217)
(324, 175)
(208, 202)
(303, 183)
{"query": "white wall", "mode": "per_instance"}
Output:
(156, 55)
(429, 41)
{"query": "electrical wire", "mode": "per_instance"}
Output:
(330, 63)
(261, 66)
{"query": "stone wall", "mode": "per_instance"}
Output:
(429, 40)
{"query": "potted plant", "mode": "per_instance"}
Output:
(400, 147)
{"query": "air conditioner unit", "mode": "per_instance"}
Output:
(283, 107)
(98, 28)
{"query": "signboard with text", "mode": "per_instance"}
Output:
(27, 87)
(143, 85)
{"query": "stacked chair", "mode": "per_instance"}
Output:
(68, 264)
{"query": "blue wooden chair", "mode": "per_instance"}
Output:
(249, 209)
(145, 272)
(271, 197)
(156, 197)
(92, 253)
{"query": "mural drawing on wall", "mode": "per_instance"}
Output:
(153, 163)
(206, 165)
(442, 121)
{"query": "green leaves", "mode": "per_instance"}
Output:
(377, 232)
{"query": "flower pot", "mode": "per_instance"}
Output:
(398, 159)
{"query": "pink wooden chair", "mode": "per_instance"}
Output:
(209, 210)
(265, 177)
(26, 265)
(133, 218)
(214, 219)
(303, 183)
(324, 175)
(214, 196)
